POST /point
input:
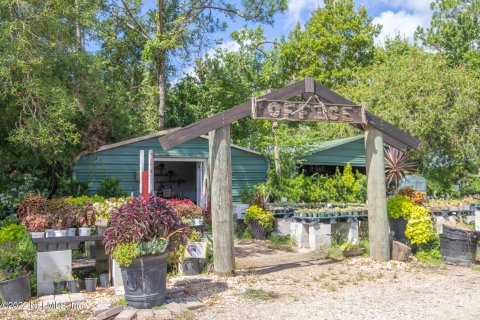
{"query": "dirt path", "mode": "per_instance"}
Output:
(287, 285)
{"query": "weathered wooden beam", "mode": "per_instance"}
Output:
(221, 200)
(221, 119)
(379, 234)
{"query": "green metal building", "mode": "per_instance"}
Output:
(336, 153)
(179, 172)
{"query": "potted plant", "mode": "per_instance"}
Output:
(139, 234)
(73, 284)
(36, 225)
(190, 266)
(90, 284)
(16, 261)
(190, 213)
(259, 222)
(85, 214)
(398, 208)
(59, 284)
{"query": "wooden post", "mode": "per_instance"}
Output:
(378, 228)
(221, 199)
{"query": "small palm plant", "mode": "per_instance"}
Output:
(398, 166)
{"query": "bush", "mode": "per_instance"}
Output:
(398, 206)
(110, 188)
(16, 258)
(185, 209)
(12, 233)
(265, 218)
(11, 219)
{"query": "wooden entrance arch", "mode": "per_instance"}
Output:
(377, 132)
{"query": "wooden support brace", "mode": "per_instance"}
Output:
(378, 228)
(221, 201)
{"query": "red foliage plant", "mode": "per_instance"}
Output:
(31, 205)
(141, 221)
(35, 223)
(186, 208)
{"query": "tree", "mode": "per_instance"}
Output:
(180, 26)
(423, 95)
(337, 40)
(454, 31)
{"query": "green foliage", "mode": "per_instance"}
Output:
(16, 258)
(78, 201)
(125, 253)
(12, 233)
(284, 243)
(398, 206)
(17, 187)
(71, 186)
(265, 218)
(337, 39)
(110, 188)
(11, 219)
(430, 252)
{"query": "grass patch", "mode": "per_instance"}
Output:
(122, 302)
(284, 243)
(186, 315)
(258, 294)
(429, 256)
(159, 307)
(331, 287)
(335, 252)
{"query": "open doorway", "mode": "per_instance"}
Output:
(180, 178)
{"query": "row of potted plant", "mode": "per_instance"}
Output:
(437, 205)
(71, 283)
(333, 212)
(314, 205)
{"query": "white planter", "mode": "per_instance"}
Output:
(60, 233)
(84, 231)
(196, 222)
(71, 232)
(49, 233)
(37, 235)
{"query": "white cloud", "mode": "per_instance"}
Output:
(402, 23)
(296, 7)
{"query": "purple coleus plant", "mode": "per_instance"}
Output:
(140, 221)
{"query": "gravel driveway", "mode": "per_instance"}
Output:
(284, 285)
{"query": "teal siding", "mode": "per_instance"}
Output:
(352, 151)
(122, 162)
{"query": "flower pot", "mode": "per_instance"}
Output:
(104, 280)
(257, 230)
(84, 231)
(191, 267)
(101, 231)
(90, 284)
(15, 290)
(60, 233)
(37, 235)
(398, 226)
(59, 286)
(73, 286)
(145, 280)
(49, 233)
(71, 232)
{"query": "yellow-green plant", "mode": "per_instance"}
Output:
(398, 207)
(265, 218)
(419, 225)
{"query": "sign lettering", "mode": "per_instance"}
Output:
(307, 111)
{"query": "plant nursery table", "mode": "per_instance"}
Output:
(62, 243)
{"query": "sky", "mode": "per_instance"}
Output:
(395, 16)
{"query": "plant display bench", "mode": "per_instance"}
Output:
(54, 258)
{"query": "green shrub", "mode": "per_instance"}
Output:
(110, 188)
(398, 206)
(8, 221)
(265, 218)
(12, 233)
(125, 253)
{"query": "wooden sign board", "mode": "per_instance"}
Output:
(307, 111)
(196, 250)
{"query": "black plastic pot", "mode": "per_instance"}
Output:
(59, 286)
(191, 267)
(104, 281)
(73, 286)
(458, 234)
(257, 230)
(145, 281)
(398, 227)
(15, 290)
(90, 284)
(458, 252)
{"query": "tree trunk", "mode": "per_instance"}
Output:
(162, 57)
(221, 200)
(276, 153)
(379, 234)
(78, 29)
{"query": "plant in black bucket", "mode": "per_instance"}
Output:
(259, 222)
(138, 238)
(16, 261)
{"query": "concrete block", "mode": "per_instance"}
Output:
(353, 235)
(146, 314)
(112, 312)
(301, 235)
(77, 297)
(50, 265)
(116, 274)
(319, 236)
(128, 314)
(439, 221)
(163, 314)
(282, 226)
